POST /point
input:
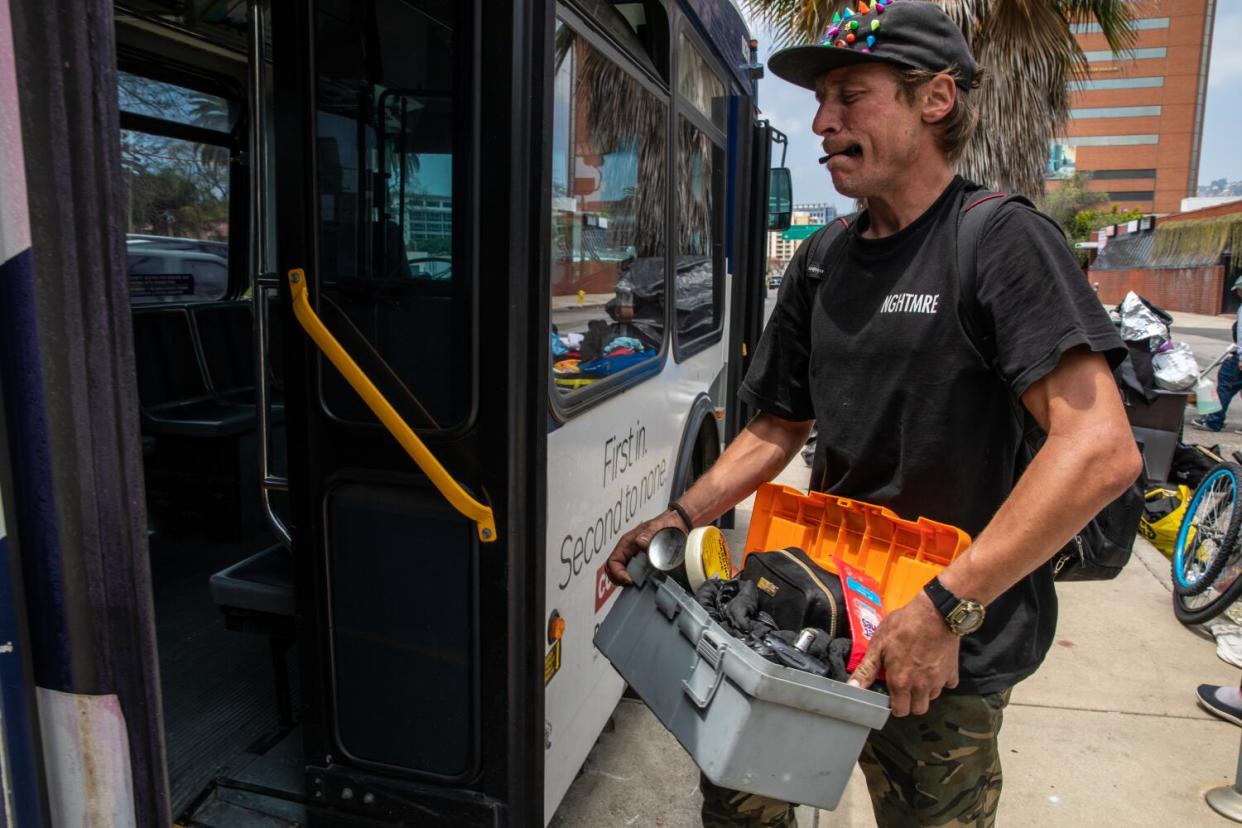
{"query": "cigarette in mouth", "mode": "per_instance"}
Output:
(823, 159)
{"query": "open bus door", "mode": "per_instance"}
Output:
(421, 697)
(750, 286)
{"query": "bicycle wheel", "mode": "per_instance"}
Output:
(1209, 527)
(1207, 560)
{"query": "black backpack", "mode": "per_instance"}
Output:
(1102, 549)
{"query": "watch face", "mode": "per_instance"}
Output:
(966, 618)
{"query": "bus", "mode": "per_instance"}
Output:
(339, 342)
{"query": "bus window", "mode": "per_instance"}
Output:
(608, 191)
(392, 255)
(698, 85)
(176, 190)
(700, 272)
(699, 277)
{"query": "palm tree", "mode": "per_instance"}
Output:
(1030, 55)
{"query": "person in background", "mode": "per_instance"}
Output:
(1228, 378)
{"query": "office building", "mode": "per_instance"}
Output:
(813, 213)
(1136, 123)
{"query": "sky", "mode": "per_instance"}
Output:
(790, 110)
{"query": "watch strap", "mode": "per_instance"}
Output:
(944, 600)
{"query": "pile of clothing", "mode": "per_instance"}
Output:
(787, 608)
(579, 359)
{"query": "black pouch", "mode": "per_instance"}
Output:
(796, 591)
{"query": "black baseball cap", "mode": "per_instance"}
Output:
(909, 34)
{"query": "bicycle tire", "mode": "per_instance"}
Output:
(1219, 488)
(1217, 603)
(1202, 598)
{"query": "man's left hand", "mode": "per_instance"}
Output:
(918, 653)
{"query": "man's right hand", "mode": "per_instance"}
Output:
(637, 540)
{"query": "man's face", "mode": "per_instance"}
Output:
(871, 132)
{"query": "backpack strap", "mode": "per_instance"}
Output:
(824, 246)
(971, 223)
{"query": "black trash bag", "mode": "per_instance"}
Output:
(1192, 462)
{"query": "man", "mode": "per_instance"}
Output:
(911, 416)
(1228, 378)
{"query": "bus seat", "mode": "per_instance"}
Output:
(195, 390)
(256, 596)
(262, 583)
(195, 370)
(226, 338)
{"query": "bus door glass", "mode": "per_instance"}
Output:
(392, 280)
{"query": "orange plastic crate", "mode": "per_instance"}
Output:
(902, 555)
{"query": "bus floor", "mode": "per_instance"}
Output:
(220, 706)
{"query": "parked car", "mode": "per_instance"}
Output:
(177, 270)
(774, 280)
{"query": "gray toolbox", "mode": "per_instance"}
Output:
(750, 724)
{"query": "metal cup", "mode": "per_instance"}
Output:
(667, 550)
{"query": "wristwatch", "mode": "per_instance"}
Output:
(962, 616)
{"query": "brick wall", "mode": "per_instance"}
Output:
(1189, 289)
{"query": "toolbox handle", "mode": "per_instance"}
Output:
(666, 602)
(707, 673)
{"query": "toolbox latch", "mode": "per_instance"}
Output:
(707, 673)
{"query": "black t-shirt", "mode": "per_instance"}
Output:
(910, 415)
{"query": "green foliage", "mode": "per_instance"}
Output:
(1078, 210)
(174, 187)
(1086, 222)
(1073, 197)
(172, 202)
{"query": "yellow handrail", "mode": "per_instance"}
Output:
(419, 453)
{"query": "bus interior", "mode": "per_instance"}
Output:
(222, 576)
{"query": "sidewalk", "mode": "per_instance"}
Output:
(1106, 733)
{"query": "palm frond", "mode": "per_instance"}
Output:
(1116, 19)
(1029, 54)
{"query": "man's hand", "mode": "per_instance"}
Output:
(636, 540)
(918, 652)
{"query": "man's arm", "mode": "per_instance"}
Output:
(1087, 461)
(764, 447)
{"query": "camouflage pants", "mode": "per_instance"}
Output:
(938, 769)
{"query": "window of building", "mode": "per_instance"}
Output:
(1111, 140)
(1116, 83)
(1122, 175)
(608, 268)
(1107, 55)
(1130, 195)
(1062, 160)
(1139, 25)
(1115, 112)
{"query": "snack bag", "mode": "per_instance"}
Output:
(863, 608)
